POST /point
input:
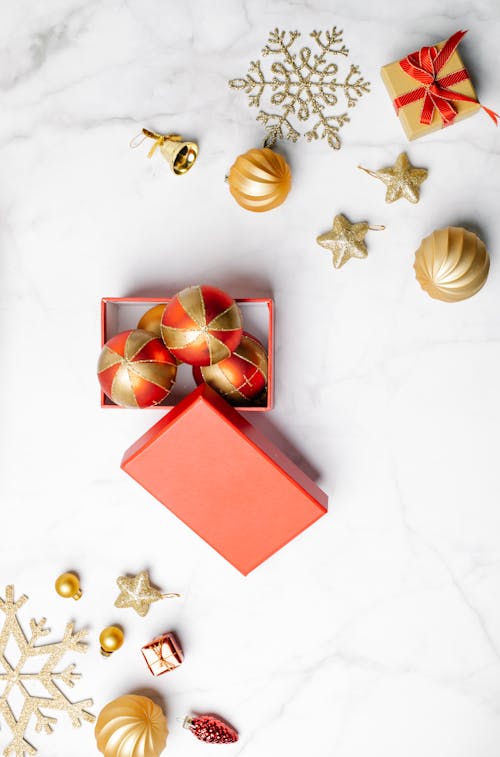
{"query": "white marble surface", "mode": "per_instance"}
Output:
(377, 632)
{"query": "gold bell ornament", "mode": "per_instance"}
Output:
(180, 155)
(131, 726)
(260, 179)
(451, 264)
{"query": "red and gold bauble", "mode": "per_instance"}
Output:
(135, 369)
(201, 325)
(151, 320)
(241, 377)
(260, 179)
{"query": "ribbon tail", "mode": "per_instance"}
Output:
(427, 109)
(155, 145)
(448, 49)
(494, 116)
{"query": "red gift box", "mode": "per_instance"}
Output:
(163, 654)
(225, 480)
(122, 313)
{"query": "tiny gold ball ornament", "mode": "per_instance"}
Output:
(451, 264)
(260, 179)
(68, 586)
(151, 320)
(111, 639)
(131, 726)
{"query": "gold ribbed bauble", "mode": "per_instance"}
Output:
(452, 264)
(260, 179)
(131, 726)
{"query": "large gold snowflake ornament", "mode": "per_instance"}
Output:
(304, 86)
(16, 677)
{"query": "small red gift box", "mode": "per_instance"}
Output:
(225, 480)
(123, 313)
(163, 654)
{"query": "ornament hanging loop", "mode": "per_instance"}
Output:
(180, 155)
(269, 140)
(376, 228)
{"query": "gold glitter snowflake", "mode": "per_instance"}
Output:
(304, 86)
(13, 676)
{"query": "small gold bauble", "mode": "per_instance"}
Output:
(111, 639)
(151, 320)
(260, 179)
(131, 726)
(451, 264)
(68, 586)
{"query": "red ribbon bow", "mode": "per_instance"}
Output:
(424, 66)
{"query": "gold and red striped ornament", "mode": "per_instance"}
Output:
(201, 325)
(241, 377)
(135, 369)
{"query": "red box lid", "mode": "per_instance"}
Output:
(224, 479)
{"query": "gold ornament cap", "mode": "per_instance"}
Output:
(452, 264)
(111, 639)
(131, 726)
(67, 585)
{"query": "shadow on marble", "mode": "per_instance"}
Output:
(238, 285)
(480, 231)
(154, 694)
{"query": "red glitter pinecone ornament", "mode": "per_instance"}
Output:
(210, 729)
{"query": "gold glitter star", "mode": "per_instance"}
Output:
(346, 240)
(402, 179)
(138, 593)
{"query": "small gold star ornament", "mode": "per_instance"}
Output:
(346, 239)
(402, 179)
(138, 593)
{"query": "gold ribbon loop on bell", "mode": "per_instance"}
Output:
(160, 139)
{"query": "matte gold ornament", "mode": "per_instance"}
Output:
(19, 679)
(260, 179)
(346, 240)
(151, 320)
(138, 593)
(451, 264)
(180, 155)
(402, 179)
(67, 585)
(131, 726)
(111, 639)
